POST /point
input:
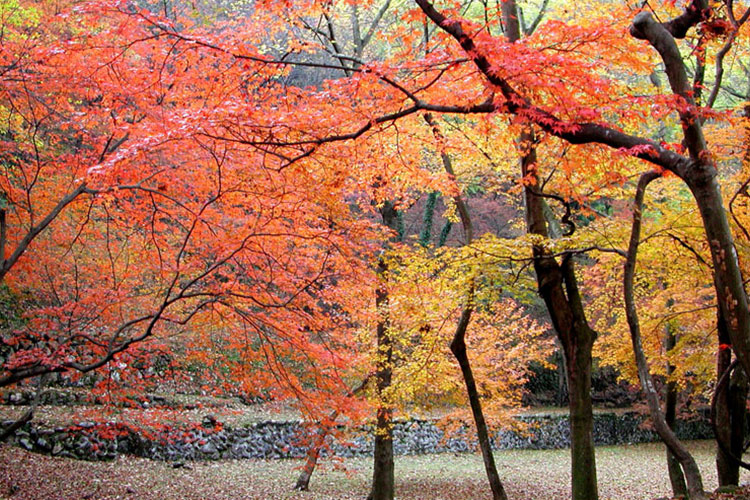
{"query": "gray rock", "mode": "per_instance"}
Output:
(208, 448)
(43, 444)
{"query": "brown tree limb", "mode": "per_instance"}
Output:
(690, 468)
(34, 231)
(313, 452)
(28, 414)
(458, 343)
(676, 477)
(575, 133)
(660, 38)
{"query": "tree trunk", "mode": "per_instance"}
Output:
(730, 420)
(578, 344)
(689, 467)
(730, 292)
(726, 469)
(383, 469)
(313, 453)
(458, 344)
(700, 175)
(738, 391)
(561, 396)
(303, 481)
(458, 348)
(730, 413)
(558, 286)
(676, 477)
(383, 484)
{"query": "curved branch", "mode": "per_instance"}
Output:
(644, 26)
(692, 473)
(458, 343)
(538, 19)
(566, 217)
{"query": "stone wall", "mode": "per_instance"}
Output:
(71, 397)
(268, 440)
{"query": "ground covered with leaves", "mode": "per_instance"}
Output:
(625, 472)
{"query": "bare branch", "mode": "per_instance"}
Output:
(35, 230)
(375, 22)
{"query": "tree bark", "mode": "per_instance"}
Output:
(313, 452)
(676, 477)
(731, 423)
(738, 392)
(724, 463)
(383, 482)
(578, 339)
(730, 292)
(689, 467)
(561, 396)
(730, 413)
(700, 175)
(558, 286)
(458, 344)
(458, 348)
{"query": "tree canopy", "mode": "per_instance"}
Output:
(246, 192)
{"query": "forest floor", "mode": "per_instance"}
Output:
(624, 473)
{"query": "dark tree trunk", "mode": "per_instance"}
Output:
(458, 344)
(383, 483)
(738, 391)
(558, 286)
(730, 292)
(561, 395)
(730, 412)
(458, 347)
(675, 446)
(727, 470)
(700, 174)
(303, 481)
(579, 340)
(733, 428)
(676, 477)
